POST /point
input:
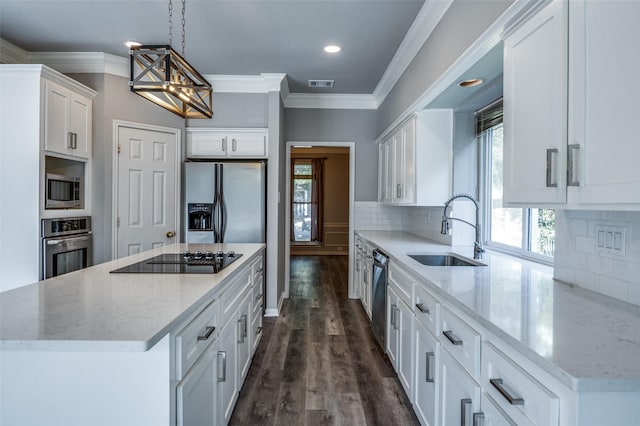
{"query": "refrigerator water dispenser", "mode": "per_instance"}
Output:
(200, 217)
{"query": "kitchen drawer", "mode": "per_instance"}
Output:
(427, 309)
(256, 329)
(518, 394)
(192, 341)
(257, 269)
(234, 294)
(403, 281)
(258, 290)
(461, 340)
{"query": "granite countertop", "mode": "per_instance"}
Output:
(93, 310)
(587, 341)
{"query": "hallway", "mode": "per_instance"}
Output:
(318, 363)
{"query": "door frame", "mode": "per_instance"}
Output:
(177, 133)
(287, 198)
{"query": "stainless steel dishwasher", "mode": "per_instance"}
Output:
(379, 296)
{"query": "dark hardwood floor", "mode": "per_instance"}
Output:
(318, 363)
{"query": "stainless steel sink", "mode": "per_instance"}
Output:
(443, 260)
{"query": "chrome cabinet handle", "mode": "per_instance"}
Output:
(209, 331)
(464, 403)
(258, 330)
(452, 338)
(70, 140)
(478, 419)
(399, 190)
(75, 141)
(242, 330)
(571, 165)
(502, 388)
(550, 153)
(422, 308)
(244, 324)
(428, 356)
(224, 144)
(224, 366)
(258, 297)
(233, 144)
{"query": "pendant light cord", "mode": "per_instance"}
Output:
(171, 23)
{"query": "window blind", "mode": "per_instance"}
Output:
(489, 116)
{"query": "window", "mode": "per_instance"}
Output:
(527, 232)
(306, 200)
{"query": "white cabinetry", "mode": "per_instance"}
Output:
(364, 274)
(415, 163)
(459, 393)
(427, 375)
(227, 357)
(68, 117)
(572, 56)
(400, 337)
(603, 103)
(535, 105)
(226, 143)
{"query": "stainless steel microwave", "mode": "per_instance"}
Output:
(63, 192)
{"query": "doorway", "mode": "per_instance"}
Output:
(335, 233)
(146, 184)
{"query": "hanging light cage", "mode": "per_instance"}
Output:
(162, 76)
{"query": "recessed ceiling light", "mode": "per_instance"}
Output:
(131, 43)
(471, 82)
(332, 48)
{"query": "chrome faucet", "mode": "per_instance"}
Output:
(477, 245)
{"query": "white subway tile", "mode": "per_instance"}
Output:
(614, 288)
(588, 280)
(567, 275)
(578, 227)
(633, 294)
(586, 245)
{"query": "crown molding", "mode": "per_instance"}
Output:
(83, 62)
(330, 101)
(428, 17)
(12, 54)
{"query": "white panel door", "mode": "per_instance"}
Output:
(604, 146)
(147, 190)
(57, 107)
(535, 108)
(427, 357)
(80, 121)
(459, 393)
(197, 392)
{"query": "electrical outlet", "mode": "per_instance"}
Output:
(611, 239)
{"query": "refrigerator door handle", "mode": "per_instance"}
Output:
(216, 202)
(223, 206)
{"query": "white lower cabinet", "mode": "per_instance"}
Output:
(197, 392)
(227, 367)
(459, 393)
(426, 375)
(399, 338)
(244, 341)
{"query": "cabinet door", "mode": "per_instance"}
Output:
(387, 170)
(209, 144)
(408, 163)
(56, 115)
(603, 105)
(80, 124)
(493, 415)
(392, 327)
(247, 145)
(226, 365)
(196, 393)
(426, 378)
(405, 347)
(535, 105)
(243, 324)
(459, 393)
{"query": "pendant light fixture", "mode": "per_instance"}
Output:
(162, 76)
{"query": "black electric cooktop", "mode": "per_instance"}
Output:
(183, 263)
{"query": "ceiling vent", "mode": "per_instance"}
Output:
(320, 83)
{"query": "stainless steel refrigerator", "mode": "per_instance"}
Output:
(225, 202)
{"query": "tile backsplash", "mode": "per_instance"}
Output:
(578, 259)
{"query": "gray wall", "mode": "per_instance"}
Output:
(345, 125)
(236, 110)
(114, 101)
(461, 25)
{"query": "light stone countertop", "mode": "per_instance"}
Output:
(587, 341)
(93, 310)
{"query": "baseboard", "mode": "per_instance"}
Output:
(275, 312)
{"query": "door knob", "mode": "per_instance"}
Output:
(170, 234)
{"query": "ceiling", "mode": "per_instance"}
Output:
(229, 37)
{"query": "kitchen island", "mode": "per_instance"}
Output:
(563, 349)
(93, 347)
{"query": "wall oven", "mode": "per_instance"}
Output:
(66, 245)
(63, 192)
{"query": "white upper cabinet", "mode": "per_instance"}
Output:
(535, 105)
(415, 165)
(226, 143)
(578, 57)
(67, 117)
(603, 102)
